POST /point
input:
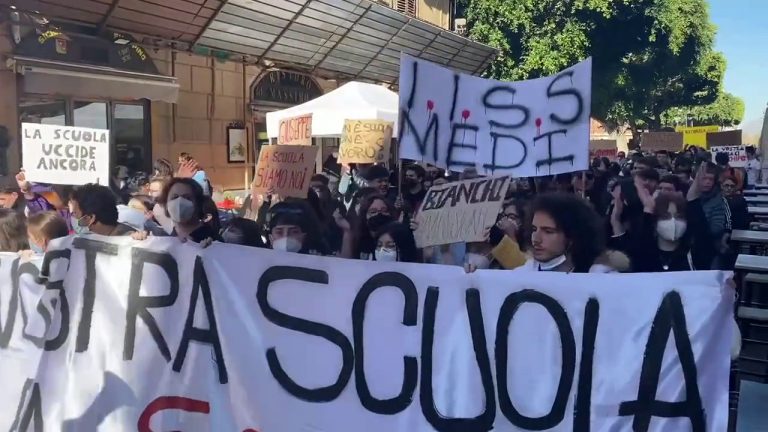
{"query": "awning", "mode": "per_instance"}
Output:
(340, 39)
(357, 39)
(70, 79)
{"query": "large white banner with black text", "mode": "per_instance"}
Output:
(158, 336)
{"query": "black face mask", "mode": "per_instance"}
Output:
(378, 222)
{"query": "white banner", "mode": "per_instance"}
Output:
(65, 154)
(525, 129)
(237, 339)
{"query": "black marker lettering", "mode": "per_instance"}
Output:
(91, 248)
(571, 92)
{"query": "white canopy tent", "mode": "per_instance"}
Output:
(353, 101)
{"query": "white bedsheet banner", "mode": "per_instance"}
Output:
(160, 336)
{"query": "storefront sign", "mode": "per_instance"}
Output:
(285, 170)
(64, 154)
(460, 211)
(296, 131)
(285, 88)
(527, 128)
(232, 338)
(696, 135)
(365, 141)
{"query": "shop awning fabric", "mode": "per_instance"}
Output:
(51, 77)
(345, 39)
(354, 100)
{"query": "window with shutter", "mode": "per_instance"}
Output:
(407, 6)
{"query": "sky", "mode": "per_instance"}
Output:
(742, 36)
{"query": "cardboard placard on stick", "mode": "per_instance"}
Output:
(737, 155)
(655, 141)
(603, 148)
(724, 138)
(286, 170)
(65, 154)
(296, 131)
(365, 141)
(460, 211)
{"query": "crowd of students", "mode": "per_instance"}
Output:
(645, 213)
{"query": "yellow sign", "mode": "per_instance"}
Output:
(696, 135)
(365, 141)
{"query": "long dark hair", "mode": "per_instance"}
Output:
(580, 224)
(403, 238)
(364, 241)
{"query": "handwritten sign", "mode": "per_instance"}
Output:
(460, 211)
(527, 128)
(296, 131)
(669, 141)
(603, 148)
(365, 141)
(64, 154)
(285, 170)
(737, 155)
(724, 138)
(696, 135)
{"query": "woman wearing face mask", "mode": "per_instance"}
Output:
(661, 240)
(359, 242)
(567, 236)
(44, 227)
(293, 227)
(183, 199)
(395, 243)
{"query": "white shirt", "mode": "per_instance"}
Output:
(753, 167)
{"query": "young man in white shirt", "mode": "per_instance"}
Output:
(753, 168)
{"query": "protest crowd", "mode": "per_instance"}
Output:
(643, 213)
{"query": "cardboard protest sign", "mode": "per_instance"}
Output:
(724, 138)
(286, 170)
(737, 154)
(296, 131)
(365, 141)
(527, 128)
(231, 338)
(697, 135)
(669, 141)
(603, 148)
(65, 154)
(460, 211)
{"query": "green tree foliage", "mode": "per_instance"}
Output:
(727, 111)
(648, 55)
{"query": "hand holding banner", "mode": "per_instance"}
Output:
(365, 141)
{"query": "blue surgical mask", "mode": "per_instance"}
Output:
(36, 248)
(79, 229)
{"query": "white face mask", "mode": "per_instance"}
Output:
(286, 244)
(385, 255)
(480, 262)
(551, 264)
(180, 209)
(671, 229)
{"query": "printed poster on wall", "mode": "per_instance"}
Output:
(284, 170)
(365, 141)
(460, 211)
(232, 338)
(65, 154)
(527, 128)
(296, 131)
